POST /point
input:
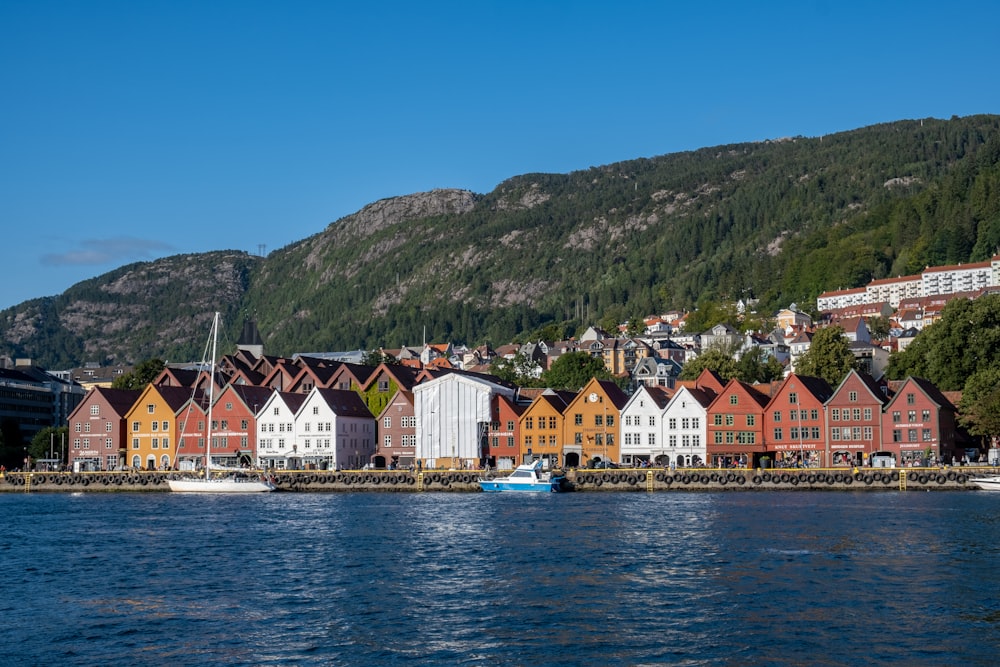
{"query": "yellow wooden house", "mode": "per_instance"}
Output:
(153, 427)
(541, 428)
(591, 423)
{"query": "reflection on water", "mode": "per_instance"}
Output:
(501, 579)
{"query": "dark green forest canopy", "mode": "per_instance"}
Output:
(781, 221)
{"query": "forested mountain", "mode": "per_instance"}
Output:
(780, 220)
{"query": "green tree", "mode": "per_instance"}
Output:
(755, 366)
(980, 405)
(47, 443)
(377, 357)
(636, 327)
(709, 313)
(520, 370)
(716, 358)
(573, 370)
(143, 374)
(829, 356)
(878, 326)
(965, 340)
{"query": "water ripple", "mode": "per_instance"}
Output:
(476, 579)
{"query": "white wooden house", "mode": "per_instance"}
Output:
(642, 425)
(685, 429)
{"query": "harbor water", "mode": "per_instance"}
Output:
(769, 578)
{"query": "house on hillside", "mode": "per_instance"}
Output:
(721, 336)
(792, 318)
(656, 372)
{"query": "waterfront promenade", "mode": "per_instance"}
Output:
(585, 480)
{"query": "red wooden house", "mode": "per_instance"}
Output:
(504, 433)
(794, 422)
(98, 438)
(854, 420)
(396, 426)
(919, 421)
(736, 426)
(234, 424)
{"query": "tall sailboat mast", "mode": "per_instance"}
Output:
(211, 395)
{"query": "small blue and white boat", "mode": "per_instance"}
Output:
(527, 477)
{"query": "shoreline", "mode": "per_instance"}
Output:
(583, 480)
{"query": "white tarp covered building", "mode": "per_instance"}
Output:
(453, 418)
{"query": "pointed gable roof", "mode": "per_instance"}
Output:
(293, 400)
(703, 396)
(614, 393)
(660, 396)
(344, 402)
(119, 400)
(177, 377)
(708, 379)
(406, 396)
(405, 377)
(252, 397)
(355, 374)
(928, 389)
(740, 387)
(818, 388)
(558, 400)
(867, 381)
(178, 397)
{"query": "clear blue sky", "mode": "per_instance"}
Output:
(136, 130)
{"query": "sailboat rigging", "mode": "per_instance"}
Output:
(235, 483)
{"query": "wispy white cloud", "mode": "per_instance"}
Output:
(104, 251)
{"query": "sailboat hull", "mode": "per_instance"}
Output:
(220, 486)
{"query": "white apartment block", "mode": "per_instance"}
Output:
(841, 299)
(933, 281)
(960, 278)
(894, 290)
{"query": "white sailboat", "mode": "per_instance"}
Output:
(234, 483)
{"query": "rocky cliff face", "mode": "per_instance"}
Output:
(144, 310)
(396, 210)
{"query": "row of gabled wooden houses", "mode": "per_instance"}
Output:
(304, 412)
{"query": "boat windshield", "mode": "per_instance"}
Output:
(521, 473)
